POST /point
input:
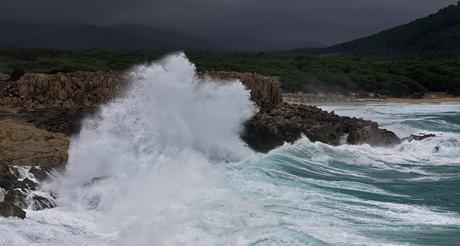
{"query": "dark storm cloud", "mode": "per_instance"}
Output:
(279, 23)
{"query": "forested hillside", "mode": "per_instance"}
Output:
(437, 35)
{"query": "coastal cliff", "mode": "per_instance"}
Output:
(78, 89)
(265, 90)
(90, 89)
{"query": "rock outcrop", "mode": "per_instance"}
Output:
(60, 101)
(27, 154)
(18, 192)
(78, 89)
(11, 210)
(89, 89)
(419, 137)
(287, 123)
(22, 144)
(265, 90)
(7, 178)
(278, 122)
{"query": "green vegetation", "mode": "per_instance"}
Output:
(297, 71)
(55, 60)
(342, 74)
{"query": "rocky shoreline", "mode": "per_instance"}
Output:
(321, 99)
(40, 112)
(287, 123)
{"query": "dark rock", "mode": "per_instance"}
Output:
(57, 120)
(10, 210)
(18, 197)
(39, 173)
(372, 135)
(287, 123)
(418, 137)
(24, 184)
(22, 199)
(7, 178)
(41, 203)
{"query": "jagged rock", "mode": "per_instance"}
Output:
(7, 178)
(22, 144)
(39, 173)
(265, 90)
(41, 203)
(24, 199)
(287, 123)
(420, 137)
(24, 184)
(17, 197)
(372, 135)
(10, 210)
(78, 89)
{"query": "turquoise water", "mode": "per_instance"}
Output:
(408, 194)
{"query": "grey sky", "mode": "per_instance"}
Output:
(282, 23)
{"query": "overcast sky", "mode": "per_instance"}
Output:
(279, 22)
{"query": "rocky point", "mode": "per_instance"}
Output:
(40, 112)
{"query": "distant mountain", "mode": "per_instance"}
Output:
(437, 35)
(122, 36)
(131, 36)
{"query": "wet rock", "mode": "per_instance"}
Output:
(419, 137)
(372, 135)
(287, 123)
(7, 178)
(10, 210)
(39, 173)
(25, 199)
(24, 184)
(41, 203)
(18, 197)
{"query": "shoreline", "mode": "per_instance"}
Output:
(395, 101)
(341, 100)
(423, 100)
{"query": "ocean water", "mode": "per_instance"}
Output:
(163, 165)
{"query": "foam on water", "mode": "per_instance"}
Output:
(163, 165)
